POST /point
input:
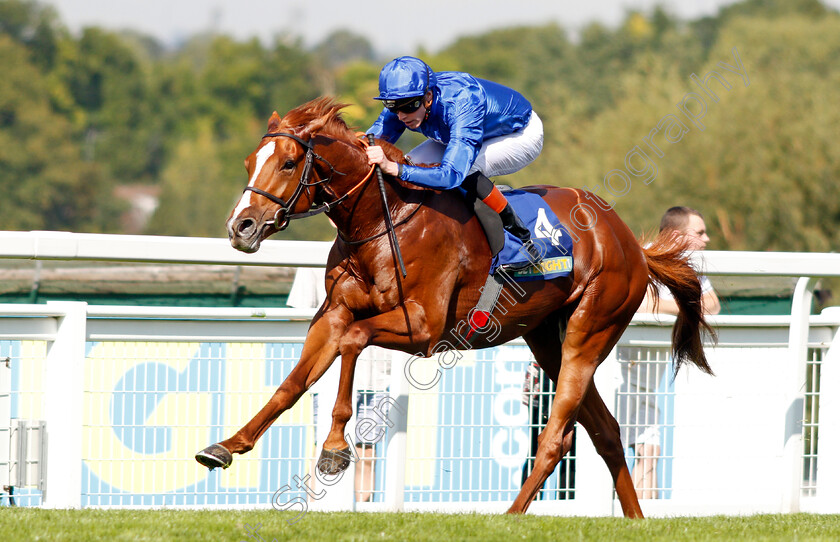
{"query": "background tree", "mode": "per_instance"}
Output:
(44, 180)
(81, 115)
(33, 25)
(110, 89)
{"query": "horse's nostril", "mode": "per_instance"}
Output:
(245, 225)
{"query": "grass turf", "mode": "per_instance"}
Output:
(226, 525)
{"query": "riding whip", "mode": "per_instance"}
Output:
(388, 224)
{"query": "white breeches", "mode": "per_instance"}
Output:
(500, 155)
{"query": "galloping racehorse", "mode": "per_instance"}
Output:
(311, 158)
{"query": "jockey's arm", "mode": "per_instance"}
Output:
(442, 177)
(465, 124)
(388, 127)
(457, 160)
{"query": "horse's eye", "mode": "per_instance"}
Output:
(289, 164)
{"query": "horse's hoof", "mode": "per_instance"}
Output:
(214, 456)
(333, 461)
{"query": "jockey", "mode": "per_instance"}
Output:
(476, 129)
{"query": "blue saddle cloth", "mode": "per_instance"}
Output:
(550, 237)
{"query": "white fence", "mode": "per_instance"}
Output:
(128, 395)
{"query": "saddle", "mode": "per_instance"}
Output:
(510, 263)
(549, 235)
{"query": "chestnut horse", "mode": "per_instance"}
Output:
(311, 158)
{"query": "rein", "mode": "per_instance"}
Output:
(389, 225)
(386, 231)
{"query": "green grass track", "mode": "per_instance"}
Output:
(217, 526)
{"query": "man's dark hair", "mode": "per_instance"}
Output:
(676, 218)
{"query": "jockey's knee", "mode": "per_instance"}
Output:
(478, 184)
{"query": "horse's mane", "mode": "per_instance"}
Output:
(323, 116)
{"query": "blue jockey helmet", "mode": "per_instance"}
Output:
(405, 77)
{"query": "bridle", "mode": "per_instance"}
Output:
(303, 184)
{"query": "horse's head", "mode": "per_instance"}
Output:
(285, 173)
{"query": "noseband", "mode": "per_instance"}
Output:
(303, 184)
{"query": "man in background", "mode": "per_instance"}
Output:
(641, 400)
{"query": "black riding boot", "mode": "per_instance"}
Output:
(514, 225)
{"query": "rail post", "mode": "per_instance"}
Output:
(803, 296)
(63, 402)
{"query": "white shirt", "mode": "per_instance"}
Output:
(705, 287)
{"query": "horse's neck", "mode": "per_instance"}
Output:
(362, 216)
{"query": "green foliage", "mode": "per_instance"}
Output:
(43, 179)
(357, 83)
(341, 47)
(763, 167)
(192, 188)
(82, 115)
(111, 93)
(32, 25)
(201, 525)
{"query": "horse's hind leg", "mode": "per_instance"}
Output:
(590, 335)
(594, 416)
(604, 431)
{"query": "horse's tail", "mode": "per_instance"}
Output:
(669, 265)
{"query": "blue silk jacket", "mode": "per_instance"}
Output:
(465, 112)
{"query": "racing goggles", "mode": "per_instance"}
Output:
(404, 105)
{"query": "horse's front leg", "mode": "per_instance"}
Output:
(396, 329)
(319, 351)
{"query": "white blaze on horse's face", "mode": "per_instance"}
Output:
(262, 156)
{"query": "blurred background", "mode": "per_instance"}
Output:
(123, 117)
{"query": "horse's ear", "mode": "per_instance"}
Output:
(274, 123)
(316, 125)
(301, 130)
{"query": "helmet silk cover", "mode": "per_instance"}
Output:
(404, 77)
